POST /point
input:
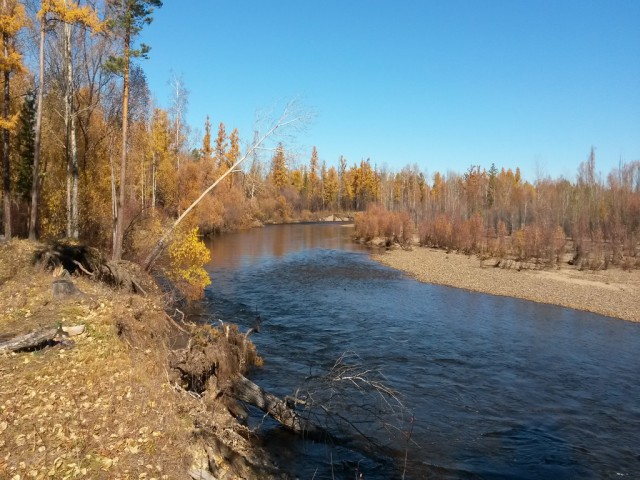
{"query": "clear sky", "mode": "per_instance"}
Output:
(443, 84)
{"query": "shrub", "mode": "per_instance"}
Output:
(187, 257)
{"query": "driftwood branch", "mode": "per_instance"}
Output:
(245, 390)
(29, 340)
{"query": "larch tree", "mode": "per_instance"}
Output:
(314, 180)
(233, 153)
(331, 184)
(130, 17)
(163, 173)
(279, 168)
(207, 151)
(221, 146)
(25, 145)
(12, 20)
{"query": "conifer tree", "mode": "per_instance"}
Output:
(221, 146)
(233, 154)
(207, 151)
(26, 145)
(330, 188)
(279, 168)
(130, 17)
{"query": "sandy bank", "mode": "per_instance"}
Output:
(613, 292)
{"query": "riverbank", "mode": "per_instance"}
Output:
(111, 402)
(611, 292)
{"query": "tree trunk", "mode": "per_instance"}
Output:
(5, 141)
(35, 184)
(67, 121)
(72, 136)
(114, 200)
(153, 182)
(119, 231)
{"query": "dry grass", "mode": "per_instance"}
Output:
(103, 408)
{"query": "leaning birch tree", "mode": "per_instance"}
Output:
(291, 117)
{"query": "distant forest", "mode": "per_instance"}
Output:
(113, 169)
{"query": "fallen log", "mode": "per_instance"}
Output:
(245, 390)
(29, 340)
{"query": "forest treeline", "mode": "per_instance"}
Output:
(89, 154)
(495, 213)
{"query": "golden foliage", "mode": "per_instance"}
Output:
(12, 122)
(188, 255)
(70, 12)
(13, 21)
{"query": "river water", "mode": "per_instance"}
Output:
(493, 387)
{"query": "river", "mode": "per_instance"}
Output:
(493, 387)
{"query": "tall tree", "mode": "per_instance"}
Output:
(12, 19)
(207, 151)
(221, 146)
(131, 16)
(71, 14)
(179, 103)
(234, 152)
(279, 168)
(35, 186)
(25, 145)
(314, 180)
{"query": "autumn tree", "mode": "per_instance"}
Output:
(25, 145)
(221, 146)
(12, 20)
(178, 109)
(130, 17)
(279, 172)
(207, 151)
(314, 181)
(342, 172)
(232, 155)
(71, 14)
(330, 190)
(164, 185)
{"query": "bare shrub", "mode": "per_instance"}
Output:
(408, 229)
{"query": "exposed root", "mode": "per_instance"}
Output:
(89, 261)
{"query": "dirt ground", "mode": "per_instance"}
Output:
(102, 406)
(612, 292)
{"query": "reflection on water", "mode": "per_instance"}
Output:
(243, 249)
(500, 388)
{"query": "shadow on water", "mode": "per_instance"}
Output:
(500, 388)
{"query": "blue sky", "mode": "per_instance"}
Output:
(442, 84)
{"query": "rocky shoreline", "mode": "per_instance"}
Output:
(612, 292)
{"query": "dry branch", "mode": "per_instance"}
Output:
(245, 390)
